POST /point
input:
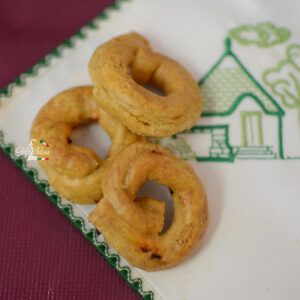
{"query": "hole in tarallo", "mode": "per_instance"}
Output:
(150, 86)
(153, 89)
(160, 192)
(92, 136)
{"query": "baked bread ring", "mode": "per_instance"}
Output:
(118, 70)
(74, 171)
(128, 227)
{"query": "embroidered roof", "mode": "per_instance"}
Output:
(228, 81)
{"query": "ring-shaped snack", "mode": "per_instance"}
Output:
(75, 172)
(129, 227)
(120, 68)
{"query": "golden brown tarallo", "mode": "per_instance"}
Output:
(133, 225)
(119, 70)
(122, 105)
(76, 172)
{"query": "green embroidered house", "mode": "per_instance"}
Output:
(240, 120)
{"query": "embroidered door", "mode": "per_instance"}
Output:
(251, 129)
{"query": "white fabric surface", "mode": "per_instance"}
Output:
(252, 247)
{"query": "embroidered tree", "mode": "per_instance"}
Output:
(261, 35)
(284, 79)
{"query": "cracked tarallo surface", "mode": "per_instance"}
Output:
(75, 172)
(133, 226)
(122, 67)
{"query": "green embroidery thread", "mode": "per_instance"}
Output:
(266, 35)
(284, 79)
(6, 92)
(78, 222)
(32, 174)
(262, 35)
(223, 89)
(280, 137)
(178, 146)
(220, 149)
(248, 115)
(252, 88)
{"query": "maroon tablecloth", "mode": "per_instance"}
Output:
(42, 255)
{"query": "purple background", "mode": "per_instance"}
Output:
(42, 255)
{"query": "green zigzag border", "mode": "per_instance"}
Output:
(6, 92)
(32, 174)
(78, 222)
